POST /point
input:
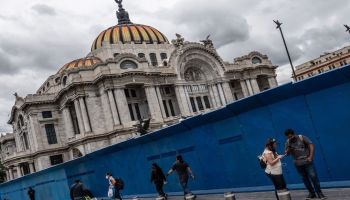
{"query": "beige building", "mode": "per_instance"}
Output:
(324, 63)
(132, 72)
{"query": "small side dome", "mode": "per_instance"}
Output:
(80, 63)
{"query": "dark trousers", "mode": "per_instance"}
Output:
(278, 181)
(183, 183)
(159, 188)
(117, 194)
(310, 179)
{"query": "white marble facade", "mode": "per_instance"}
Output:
(95, 101)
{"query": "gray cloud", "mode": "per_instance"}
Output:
(6, 66)
(34, 46)
(43, 9)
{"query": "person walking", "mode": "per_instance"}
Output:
(274, 166)
(77, 191)
(31, 193)
(302, 150)
(158, 178)
(115, 185)
(184, 171)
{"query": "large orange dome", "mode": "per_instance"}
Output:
(127, 33)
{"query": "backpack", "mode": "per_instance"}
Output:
(262, 162)
(119, 183)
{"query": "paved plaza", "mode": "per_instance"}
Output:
(332, 194)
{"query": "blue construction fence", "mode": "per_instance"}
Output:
(220, 146)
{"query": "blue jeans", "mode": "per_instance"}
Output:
(310, 179)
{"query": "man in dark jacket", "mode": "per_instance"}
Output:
(158, 178)
(302, 151)
(31, 193)
(77, 191)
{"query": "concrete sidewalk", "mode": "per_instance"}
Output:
(332, 194)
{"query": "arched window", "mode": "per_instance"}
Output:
(165, 63)
(163, 56)
(153, 58)
(128, 64)
(57, 80)
(20, 121)
(141, 55)
(64, 81)
(256, 60)
(77, 153)
(48, 84)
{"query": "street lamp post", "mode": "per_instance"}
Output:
(285, 45)
(347, 28)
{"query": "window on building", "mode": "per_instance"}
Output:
(166, 108)
(127, 94)
(25, 141)
(46, 114)
(131, 112)
(345, 63)
(116, 54)
(153, 58)
(256, 60)
(199, 103)
(64, 81)
(128, 64)
(167, 90)
(206, 102)
(51, 134)
(56, 159)
(194, 109)
(163, 56)
(57, 80)
(133, 93)
(172, 110)
(137, 110)
(141, 55)
(73, 114)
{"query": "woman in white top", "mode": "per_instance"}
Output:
(274, 166)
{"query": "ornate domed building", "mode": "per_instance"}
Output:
(133, 72)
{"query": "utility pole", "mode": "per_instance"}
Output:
(285, 45)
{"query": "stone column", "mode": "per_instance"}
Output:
(19, 172)
(217, 95)
(212, 96)
(33, 133)
(244, 88)
(160, 100)
(107, 110)
(7, 175)
(153, 103)
(228, 92)
(85, 115)
(10, 174)
(31, 167)
(182, 100)
(122, 105)
(255, 86)
(272, 82)
(68, 124)
(80, 120)
(221, 94)
(250, 89)
(113, 106)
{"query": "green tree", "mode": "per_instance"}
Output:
(2, 173)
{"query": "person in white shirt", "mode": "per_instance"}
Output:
(274, 166)
(112, 185)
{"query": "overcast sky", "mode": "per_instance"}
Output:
(37, 37)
